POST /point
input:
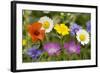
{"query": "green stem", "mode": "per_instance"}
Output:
(39, 57)
(47, 39)
(62, 41)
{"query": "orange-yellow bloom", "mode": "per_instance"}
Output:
(36, 32)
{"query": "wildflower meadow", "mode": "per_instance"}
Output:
(55, 36)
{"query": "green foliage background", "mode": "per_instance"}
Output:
(30, 16)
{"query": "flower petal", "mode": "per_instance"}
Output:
(41, 36)
(36, 26)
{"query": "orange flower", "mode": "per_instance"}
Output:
(36, 32)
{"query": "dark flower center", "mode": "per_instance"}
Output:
(36, 33)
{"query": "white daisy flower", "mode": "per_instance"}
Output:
(47, 23)
(82, 36)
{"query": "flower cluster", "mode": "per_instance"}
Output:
(44, 30)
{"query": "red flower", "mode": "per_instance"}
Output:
(36, 32)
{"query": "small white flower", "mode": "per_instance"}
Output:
(28, 12)
(47, 23)
(62, 14)
(82, 36)
(46, 12)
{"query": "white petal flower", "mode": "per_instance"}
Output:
(83, 36)
(46, 12)
(47, 23)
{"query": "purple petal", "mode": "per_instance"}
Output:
(74, 28)
(72, 47)
(52, 48)
(88, 25)
(34, 53)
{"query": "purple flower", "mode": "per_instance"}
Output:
(72, 47)
(88, 26)
(52, 48)
(34, 53)
(74, 28)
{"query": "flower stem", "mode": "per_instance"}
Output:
(40, 57)
(62, 41)
(47, 39)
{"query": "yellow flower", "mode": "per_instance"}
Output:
(62, 29)
(24, 42)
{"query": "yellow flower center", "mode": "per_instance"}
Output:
(82, 37)
(46, 25)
